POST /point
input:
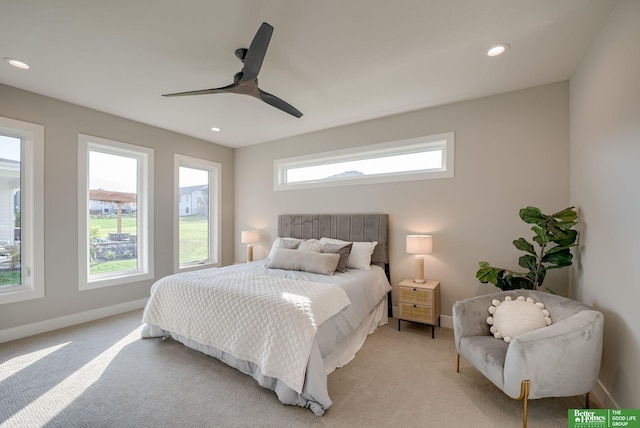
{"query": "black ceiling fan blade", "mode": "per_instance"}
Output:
(202, 91)
(279, 104)
(257, 50)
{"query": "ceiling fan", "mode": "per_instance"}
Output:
(245, 82)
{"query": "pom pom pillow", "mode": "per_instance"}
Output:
(511, 318)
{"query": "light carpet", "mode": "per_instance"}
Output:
(101, 374)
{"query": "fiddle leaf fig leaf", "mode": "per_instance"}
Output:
(568, 240)
(567, 215)
(560, 258)
(528, 262)
(486, 273)
(541, 237)
(523, 245)
(533, 215)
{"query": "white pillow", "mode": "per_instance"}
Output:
(360, 255)
(306, 261)
(312, 245)
(290, 243)
(511, 318)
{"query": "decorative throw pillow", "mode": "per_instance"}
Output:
(312, 245)
(305, 261)
(289, 243)
(343, 251)
(511, 318)
(360, 255)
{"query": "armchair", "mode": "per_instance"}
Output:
(560, 360)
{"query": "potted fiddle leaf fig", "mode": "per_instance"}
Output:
(554, 236)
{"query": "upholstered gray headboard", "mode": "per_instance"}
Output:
(347, 227)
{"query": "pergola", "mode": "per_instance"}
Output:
(118, 198)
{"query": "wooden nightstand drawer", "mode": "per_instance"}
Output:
(416, 295)
(412, 312)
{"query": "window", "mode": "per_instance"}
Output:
(197, 200)
(21, 211)
(115, 192)
(419, 158)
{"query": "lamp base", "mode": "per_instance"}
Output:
(419, 275)
(249, 253)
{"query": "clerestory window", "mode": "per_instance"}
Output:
(421, 158)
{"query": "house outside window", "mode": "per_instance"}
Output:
(21, 211)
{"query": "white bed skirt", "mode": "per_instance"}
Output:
(315, 394)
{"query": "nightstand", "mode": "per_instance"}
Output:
(419, 303)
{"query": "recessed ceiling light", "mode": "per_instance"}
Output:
(214, 129)
(498, 49)
(17, 63)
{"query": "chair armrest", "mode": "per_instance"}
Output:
(560, 360)
(470, 318)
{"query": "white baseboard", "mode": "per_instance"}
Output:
(446, 321)
(68, 320)
(604, 397)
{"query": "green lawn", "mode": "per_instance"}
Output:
(107, 225)
(10, 278)
(193, 240)
(113, 266)
(194, 232)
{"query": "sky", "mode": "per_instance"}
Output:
(382, 165)
(9, 148)
(119, 173)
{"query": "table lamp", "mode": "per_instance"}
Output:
(249, 237)
(419, 245)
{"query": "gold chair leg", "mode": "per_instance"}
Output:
(458, 365)
(525, 387)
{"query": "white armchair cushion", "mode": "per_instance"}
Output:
(511, 318)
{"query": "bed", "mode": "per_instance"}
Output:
(279, 320)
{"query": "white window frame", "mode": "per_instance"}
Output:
(215, 200)
(444, 142)
(32, 211)
(144, 206)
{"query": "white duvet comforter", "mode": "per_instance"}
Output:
(268, 320)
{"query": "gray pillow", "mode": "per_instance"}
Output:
(343, 251)
(305, 261)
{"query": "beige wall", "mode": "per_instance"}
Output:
(511, 150)
(63, 122)
(605, 180)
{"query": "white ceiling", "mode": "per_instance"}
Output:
(337, 61)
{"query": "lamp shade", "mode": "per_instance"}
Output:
(419, 244)
(249, 236)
